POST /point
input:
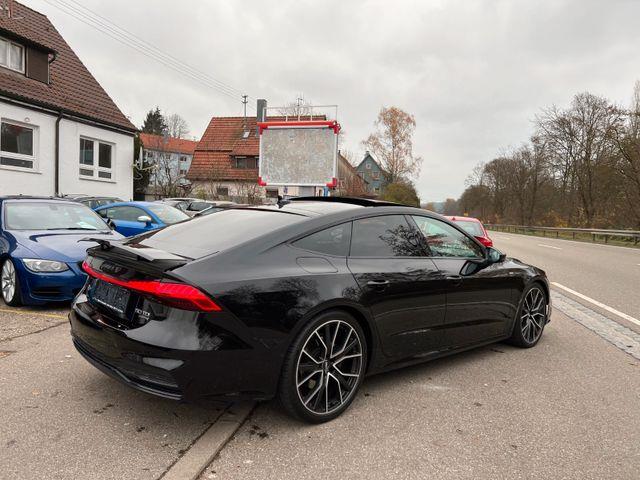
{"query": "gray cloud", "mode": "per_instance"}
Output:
(474, 73)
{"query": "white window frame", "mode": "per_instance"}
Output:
(367, 166)
(18, 156)
(9, 43)
(96, 168)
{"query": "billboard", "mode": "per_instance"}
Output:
(298, 153)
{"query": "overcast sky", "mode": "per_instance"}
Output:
(473, 73)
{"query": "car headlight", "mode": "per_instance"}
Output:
(44, 266)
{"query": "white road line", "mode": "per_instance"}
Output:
(628, 318)
(549, 246)
(585, 243)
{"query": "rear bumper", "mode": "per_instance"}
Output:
(180, 359)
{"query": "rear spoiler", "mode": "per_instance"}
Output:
(146, 253)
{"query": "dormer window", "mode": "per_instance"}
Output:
(11, 55)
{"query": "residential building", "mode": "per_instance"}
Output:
(350, 184)
(60, 131)
(225, 162)
(373, 175)
(168, 159)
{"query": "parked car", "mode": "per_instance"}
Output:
(199, 205)
(132, 218)
(300, 300)
(474, 227)
(179, 204)
(92, 201)
(42, 244)
(219, 207)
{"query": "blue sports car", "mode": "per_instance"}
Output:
(42, 246)
(132, 218)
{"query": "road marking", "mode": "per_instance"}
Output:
(622, 337)
(31, 312)
(585, 243)
(628, 318)
(549, 246)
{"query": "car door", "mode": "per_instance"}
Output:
(125, 219)
(399, 284)
(478, 296)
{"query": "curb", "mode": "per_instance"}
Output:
(204, 450)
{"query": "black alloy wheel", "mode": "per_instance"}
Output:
(531, 319)
(324, 368)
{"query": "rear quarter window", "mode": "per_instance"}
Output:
(330, 241)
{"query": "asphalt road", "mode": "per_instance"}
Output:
(63, 419)
(565, 409)
(605, 273)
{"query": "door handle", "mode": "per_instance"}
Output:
(377, 283)
(455, 279)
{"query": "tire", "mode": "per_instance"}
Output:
(10, 284)
(531, 318)
(324, 368)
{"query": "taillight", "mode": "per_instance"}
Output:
(178, 295)
(486, 241)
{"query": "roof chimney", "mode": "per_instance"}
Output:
(261, 112)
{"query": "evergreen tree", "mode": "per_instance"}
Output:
(154, 122)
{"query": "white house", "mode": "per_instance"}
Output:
(60, 131)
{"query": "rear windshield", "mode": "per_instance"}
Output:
(23, 215)
(213, 233)
(167, 214)
(472, 228)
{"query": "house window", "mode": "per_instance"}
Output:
(183, 165)
(96, 159)
(11, 55)
(375, 175)
(245, 162)
(17, 145)
(367, 166)
(222, 192)
(272, 194)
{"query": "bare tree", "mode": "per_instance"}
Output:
(177, 126)
(392, 144)
(579, 139)
(297, 108)
(166, 177)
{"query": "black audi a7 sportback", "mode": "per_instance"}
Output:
(299, 300)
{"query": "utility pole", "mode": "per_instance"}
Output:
(244, 105)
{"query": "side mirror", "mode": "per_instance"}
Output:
(495, 256)
(144, 219)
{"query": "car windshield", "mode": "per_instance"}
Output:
(167, 214)
(51, 216)
(473, 228)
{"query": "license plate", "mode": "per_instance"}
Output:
(110, 296)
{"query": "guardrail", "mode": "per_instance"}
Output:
(594, 232)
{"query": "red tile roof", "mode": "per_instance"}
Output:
(222, 140)
(167, 144)
(72, 87)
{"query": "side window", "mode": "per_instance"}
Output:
(330, 241)
(385, 236)
(445, 241)
(129, 214)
